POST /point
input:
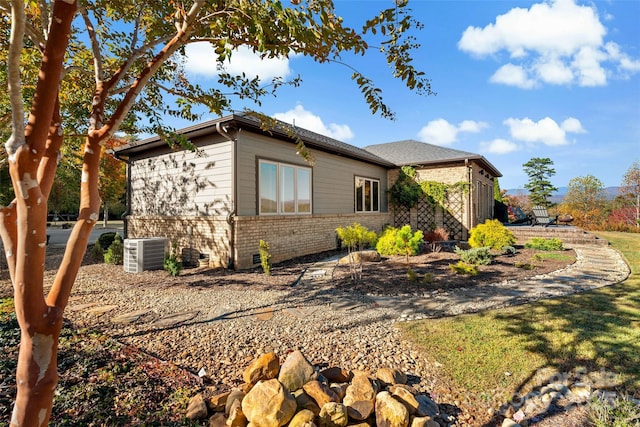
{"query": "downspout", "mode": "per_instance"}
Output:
(469, 196)
(127, 210)
(234, 194)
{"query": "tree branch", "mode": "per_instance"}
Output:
(95, 46)
(17, 138)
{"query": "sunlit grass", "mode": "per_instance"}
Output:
(503, 349)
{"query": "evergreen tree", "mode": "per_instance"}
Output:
(540, 188)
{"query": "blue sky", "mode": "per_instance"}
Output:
(514, 80)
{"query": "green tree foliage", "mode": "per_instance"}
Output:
(585, 201)
(356, 237)
(540, 188)
(491, 234)
(630, 191)
(115, 253)
(400, 241)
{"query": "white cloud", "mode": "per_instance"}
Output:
(546, 130)
(441, 132)
(202, 61)
(307, 120)
(573, 125)
(554, 42)
(513, 75)
(499, 146)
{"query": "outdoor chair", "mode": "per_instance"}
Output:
(541, 217)
(519, 217)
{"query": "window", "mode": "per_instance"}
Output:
(283, 188)
(367, 195)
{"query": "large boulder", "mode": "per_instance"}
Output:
(269, 404)
(295, 371)
(263, 368)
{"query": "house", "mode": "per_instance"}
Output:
(243, 184)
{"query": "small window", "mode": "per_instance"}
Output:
(367, 195)
(283, 188)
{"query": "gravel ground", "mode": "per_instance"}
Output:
(216, 322)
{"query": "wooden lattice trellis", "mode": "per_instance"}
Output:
(401, 216)
(453, 214)
(426, 215)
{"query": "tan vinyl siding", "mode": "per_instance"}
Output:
(184, 183)
(332, 176)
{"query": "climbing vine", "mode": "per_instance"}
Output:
(406, 191)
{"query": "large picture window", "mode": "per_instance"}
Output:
(367, 195)
(284, 189)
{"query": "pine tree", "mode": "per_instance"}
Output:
(540, 188)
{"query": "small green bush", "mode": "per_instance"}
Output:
(265, 257)
(172, 263)
(542, 244)
(491, 234)
(97, 253)
(356, 237)
(463, 268)
(475, 256)
(403, 241)
(115, 252)
(428, 278)
(509, 250)
(106, 239)
(412, 276)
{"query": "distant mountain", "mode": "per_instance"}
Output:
(557, 197)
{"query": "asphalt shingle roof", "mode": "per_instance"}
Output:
(411, 152)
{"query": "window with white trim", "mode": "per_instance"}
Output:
(367, 195)
(283, 188)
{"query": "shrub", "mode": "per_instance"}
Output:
(412, 276)
(463, 268)
(106, 239)
(437, 235)
(356, 237)
(509, 250)
(491, 234)
(97, 253)
(403, 241)
(542, 244)
(265, 257)
(115, 252)
(172, 263)
(428, 278)
(474, 256)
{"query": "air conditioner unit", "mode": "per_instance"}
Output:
(144, 254)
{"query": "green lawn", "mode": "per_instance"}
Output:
(498, 353)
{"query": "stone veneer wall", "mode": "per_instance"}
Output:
(294, 236)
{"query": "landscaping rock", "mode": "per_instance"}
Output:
(295, 371)
(360, 397)
(390, 412)
(265, 367)
(333, 414)
(337, 375)
(197, 408)
(391, 376)
(320, 392)
(362, 401)
(304, 418)
(269, 404)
